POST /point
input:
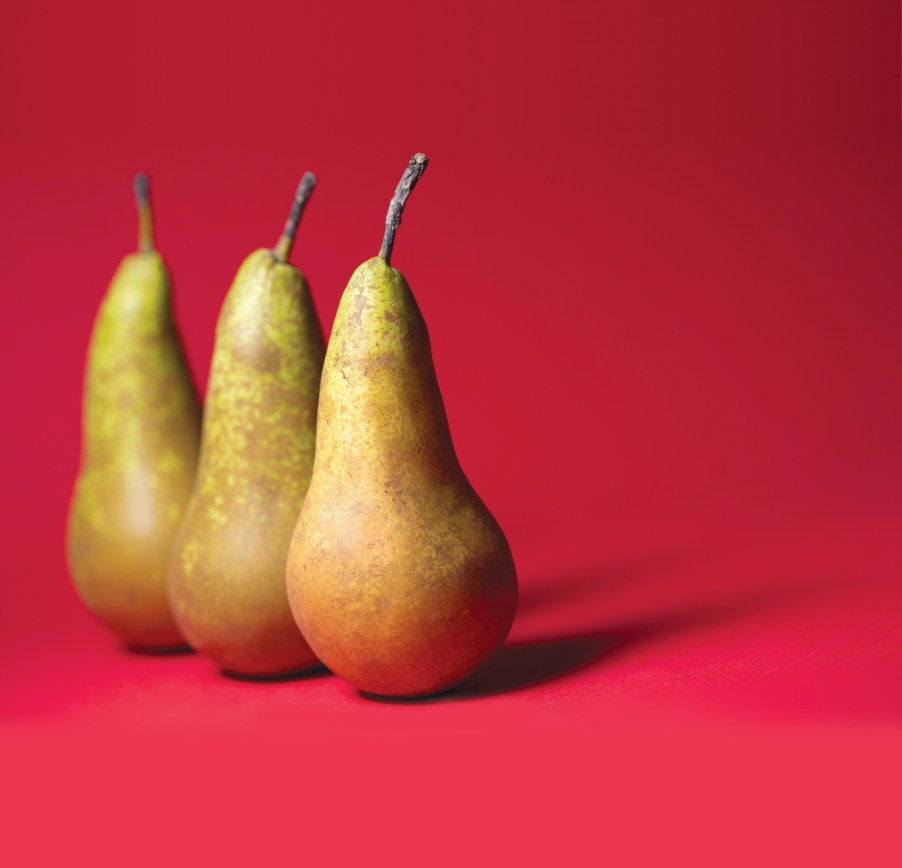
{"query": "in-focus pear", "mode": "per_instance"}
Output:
(227, 572)
(398, 576)
(141, 427)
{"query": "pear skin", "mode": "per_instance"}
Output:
(399, 577)
(227, 572)
(141, 428)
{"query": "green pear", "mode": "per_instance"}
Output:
(398, 576)
(141, 427)
(227, 571)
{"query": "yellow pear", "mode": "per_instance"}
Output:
(141, 426)
(227, 572)
(399, 577)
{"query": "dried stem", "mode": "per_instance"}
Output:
(282, 250)
(414, 171)
(145, 215)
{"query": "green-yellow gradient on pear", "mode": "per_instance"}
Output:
(227, 571)
(399, 577)
(141, 428)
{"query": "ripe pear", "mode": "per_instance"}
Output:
(141, 428)
(398, 576)
(227, 572)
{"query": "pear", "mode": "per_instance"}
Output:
(227, 571)
(141, 427)
(398, 576)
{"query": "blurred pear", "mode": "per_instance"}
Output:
(141, 429)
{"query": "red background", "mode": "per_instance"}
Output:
(657, 248)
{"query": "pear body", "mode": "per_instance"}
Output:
(227, 572)
(141, 428)
(398, 576)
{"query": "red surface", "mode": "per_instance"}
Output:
(657, 248)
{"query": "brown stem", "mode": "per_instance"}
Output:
(282, 250)
(414, 171)
(145, 215)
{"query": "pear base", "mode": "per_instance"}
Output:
(309, 670)
(412, 698)
(161, 650)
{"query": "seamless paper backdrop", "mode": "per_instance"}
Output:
(657, 250)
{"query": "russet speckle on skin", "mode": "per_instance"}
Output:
(227, 573)
(139, 453)
(399, 577)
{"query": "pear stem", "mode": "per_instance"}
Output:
(412, 174)
(145, 215)
(282, 250)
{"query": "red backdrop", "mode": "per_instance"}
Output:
(657, 249)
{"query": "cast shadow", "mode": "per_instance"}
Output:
(516, 667)
(522, 665)
(529, 664)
